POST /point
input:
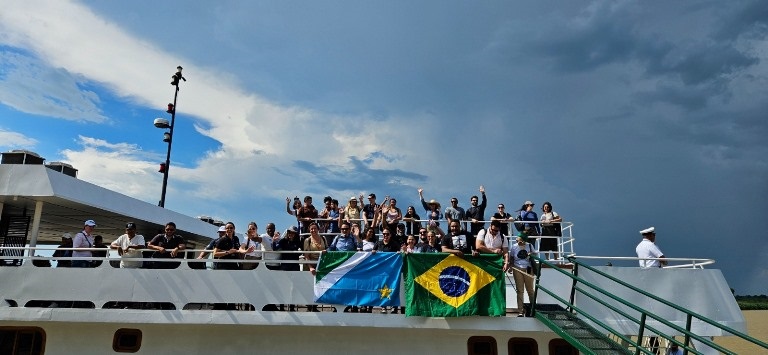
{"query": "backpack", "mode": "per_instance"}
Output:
(518, 225)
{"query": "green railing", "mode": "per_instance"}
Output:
(589, 291)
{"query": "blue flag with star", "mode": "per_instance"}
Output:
(359, 278)
(445, 285)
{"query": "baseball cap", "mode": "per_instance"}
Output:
(222, 229)
(130, 225)
(372, 196)
(90, 222)
(529, 203)
(648, 230)
(66, 236)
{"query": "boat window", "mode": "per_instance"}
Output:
(219, 307)
(126, 340)
(523, 346)
(481, 346)
(22, 340)
(59, 304)
(561, 347)
(166, 306)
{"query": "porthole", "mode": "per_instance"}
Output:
(481, 345)
(126, 340)
(22, 340)
(523, 346)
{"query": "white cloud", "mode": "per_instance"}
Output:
(122, 167)
(33, 87)
(84, 44)
(16, 140)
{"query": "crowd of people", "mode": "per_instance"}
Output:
(372, 225)
(356, 226)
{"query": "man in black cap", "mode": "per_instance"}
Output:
(290, 242)
(129, 246)
(370, 210)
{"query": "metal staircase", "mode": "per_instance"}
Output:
(580, 334)
(13, 233)
(593, 336)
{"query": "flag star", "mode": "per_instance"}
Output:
(385, 292)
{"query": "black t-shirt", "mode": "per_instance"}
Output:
(370, 211)
(160, 240)
(225, 244)
(462, 241)
(391, 247)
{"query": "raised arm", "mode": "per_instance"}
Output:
(288, 206)
(485, 200)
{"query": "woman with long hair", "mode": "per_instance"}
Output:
(550, 227)
(369, 240)
(411, 218)
(314, 243)
(392, 215)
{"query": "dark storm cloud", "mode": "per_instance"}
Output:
(693, 69)
(699, 63)
(748, 19)
(359, 177)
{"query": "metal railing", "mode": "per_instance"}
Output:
(590, 290)
(186, 257)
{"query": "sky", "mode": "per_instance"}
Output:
(623, 115)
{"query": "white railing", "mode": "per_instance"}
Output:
(187, 256)
(674, 263)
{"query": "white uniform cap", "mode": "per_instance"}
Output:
(648, 230)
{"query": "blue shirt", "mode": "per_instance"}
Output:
(343, 242)
(530, 216)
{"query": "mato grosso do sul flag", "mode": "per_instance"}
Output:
(359, 278)
(445, 285)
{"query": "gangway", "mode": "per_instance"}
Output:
(611, 310)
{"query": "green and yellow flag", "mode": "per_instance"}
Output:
(445, 285)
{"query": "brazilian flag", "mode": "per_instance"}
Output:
(445, 285)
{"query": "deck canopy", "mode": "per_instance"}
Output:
(56, 203)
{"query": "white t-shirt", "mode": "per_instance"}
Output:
(266, 245)
(256, 246)
(548, 217)
(521, 259)
(368, 246)
(123, 242)
(648, 249)
(491, 241)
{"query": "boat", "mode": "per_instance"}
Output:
(577, 307)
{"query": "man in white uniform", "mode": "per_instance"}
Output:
(648, 249)
(129, 246)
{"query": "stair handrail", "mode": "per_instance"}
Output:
(641, 323)
(644, 314)
(670, 304)
(690, 314)
(600, 323)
